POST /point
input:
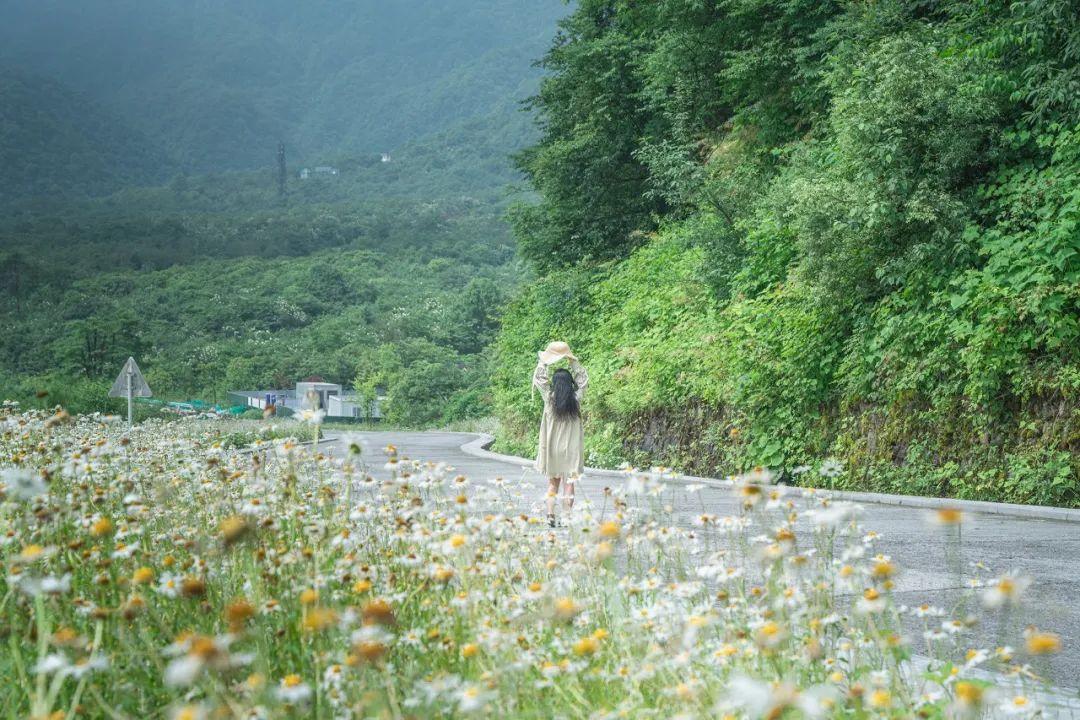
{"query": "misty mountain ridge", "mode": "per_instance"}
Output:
(216, 85)
(55, 141)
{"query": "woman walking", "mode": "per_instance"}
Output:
(560, 456)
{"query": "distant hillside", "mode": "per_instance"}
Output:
(407, 296)
(180, 249)
(219, 83)
(466, 163)
(54, 141)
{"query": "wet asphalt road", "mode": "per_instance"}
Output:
(1044, 550)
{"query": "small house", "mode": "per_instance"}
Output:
(318, 171)
(312, 393)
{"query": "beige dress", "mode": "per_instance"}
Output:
(561, 448)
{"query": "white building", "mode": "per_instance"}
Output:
(311, 394)
(315, 394)
(349, 406)
(307, 173)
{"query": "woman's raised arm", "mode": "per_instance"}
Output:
(540, 377)
(581, 378)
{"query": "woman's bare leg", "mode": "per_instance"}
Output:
(568, 489)
(553, 492)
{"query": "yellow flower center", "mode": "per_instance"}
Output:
(1043, 643)
(609, 529)
(969, 693)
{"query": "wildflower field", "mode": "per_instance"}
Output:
(158, 573)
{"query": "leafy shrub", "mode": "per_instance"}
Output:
(867, 247)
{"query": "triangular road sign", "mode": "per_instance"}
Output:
(139, 388)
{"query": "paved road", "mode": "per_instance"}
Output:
(1047, 551)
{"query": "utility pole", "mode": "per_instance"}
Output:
(281, 170)
(130, 373)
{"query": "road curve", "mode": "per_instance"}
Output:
(1048, 551)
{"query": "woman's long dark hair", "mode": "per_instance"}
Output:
(564, 399)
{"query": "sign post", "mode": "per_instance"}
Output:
(131, 384)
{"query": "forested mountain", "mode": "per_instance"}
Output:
(781, 231)
(217, 83)
(406, 300)
(142, 213)
(400, 294)
(55, 142)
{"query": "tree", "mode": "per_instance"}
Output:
(593, 203)
(475, 315)
(375, 369)
(421, 392)
(16, 275)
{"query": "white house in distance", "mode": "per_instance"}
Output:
(314, 394)
(321, 170)
(310, 394)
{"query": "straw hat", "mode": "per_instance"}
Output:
(554, 352)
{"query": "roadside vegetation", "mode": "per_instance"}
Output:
(784, 231)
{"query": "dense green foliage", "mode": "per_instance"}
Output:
(55, 142)
(216, 285)
(420, 288)
(782, 231)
